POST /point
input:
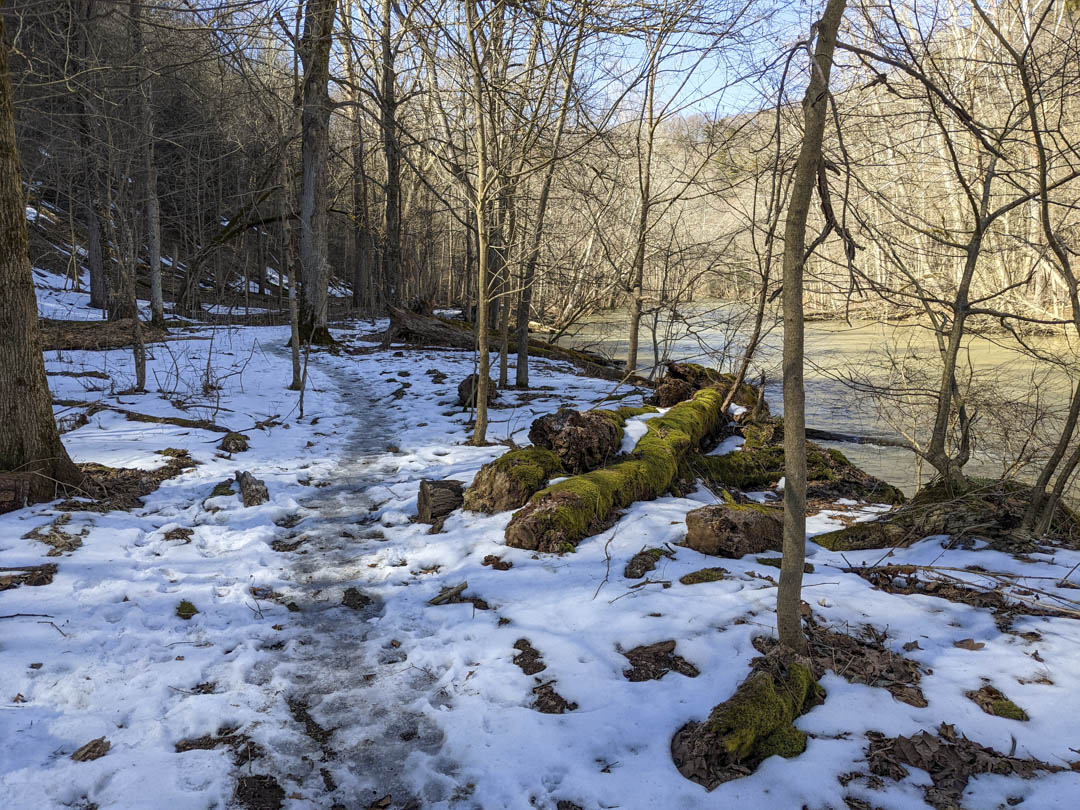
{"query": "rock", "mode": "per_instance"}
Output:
(510, 480)
(466, 392)
(733, 530)
(583, 440)
(682, 380)
(252, 490)
(233, 443)
(437, 499)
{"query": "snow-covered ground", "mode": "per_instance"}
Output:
(393, 696)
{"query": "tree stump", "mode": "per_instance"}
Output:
(466, 392)
(583, 440)
(510, 480)
(252, 491)
(437, 499)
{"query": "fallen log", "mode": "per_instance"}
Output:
(252, 490)
(437, 499)
(460, 334)
(510, 480)
(559, 517)
(851, 438)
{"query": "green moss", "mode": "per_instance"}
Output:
(531, 467)
(1007, 709)
(704, 575)
(760, 707)
(224, 488)
(568, 511)
(629, 411)
(786, 741)
(185, 610)
(173, 452)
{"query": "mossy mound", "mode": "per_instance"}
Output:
(989, 510)
(759, 464)
(185, 610)
(703, 575)
(223, 488)
(571, 510)
(510, 480)
(752, 725)
(234, 443)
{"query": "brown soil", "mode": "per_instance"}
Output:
(548, 701)
(529, 658)
(259, 792)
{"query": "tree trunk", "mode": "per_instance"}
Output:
(391, 258)
(315, 134)
(815, 108)
(30, 446)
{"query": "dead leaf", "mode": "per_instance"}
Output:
(95, 749)
(912, 645)
(968, 644)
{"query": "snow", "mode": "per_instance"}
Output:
(728, 445)
(425, 701)
(635, 428)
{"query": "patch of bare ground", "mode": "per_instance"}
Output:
(244, 750)
(528, 658)
(548, 701)
(938, 582)
(105, 489)
(653, 661)
(94, 335)
(32, 575)
(863, 660)
(54, 536)
(259, 792)
(950, 759)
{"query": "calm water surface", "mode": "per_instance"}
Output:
(844, 359)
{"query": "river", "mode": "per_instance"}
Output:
(843, 360)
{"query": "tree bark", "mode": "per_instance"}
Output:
(315, 147)
(815, 109)
(30, 444)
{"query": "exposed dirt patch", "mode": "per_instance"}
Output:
(288, 545)
(244, 750)
(645, 561)
(497, 563)
(320, 735)
(33, 575)
(949, 758)
(180, 534)
(548, 701)
(355, 600)
(529, 658)
(905, 580)
(866, 661)
(53, 535)
(259, 792)
(110, 488)
(652, 662)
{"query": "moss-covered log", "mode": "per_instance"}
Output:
(510, 480)
(682, 380)
(559, 517)
(753, 724)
